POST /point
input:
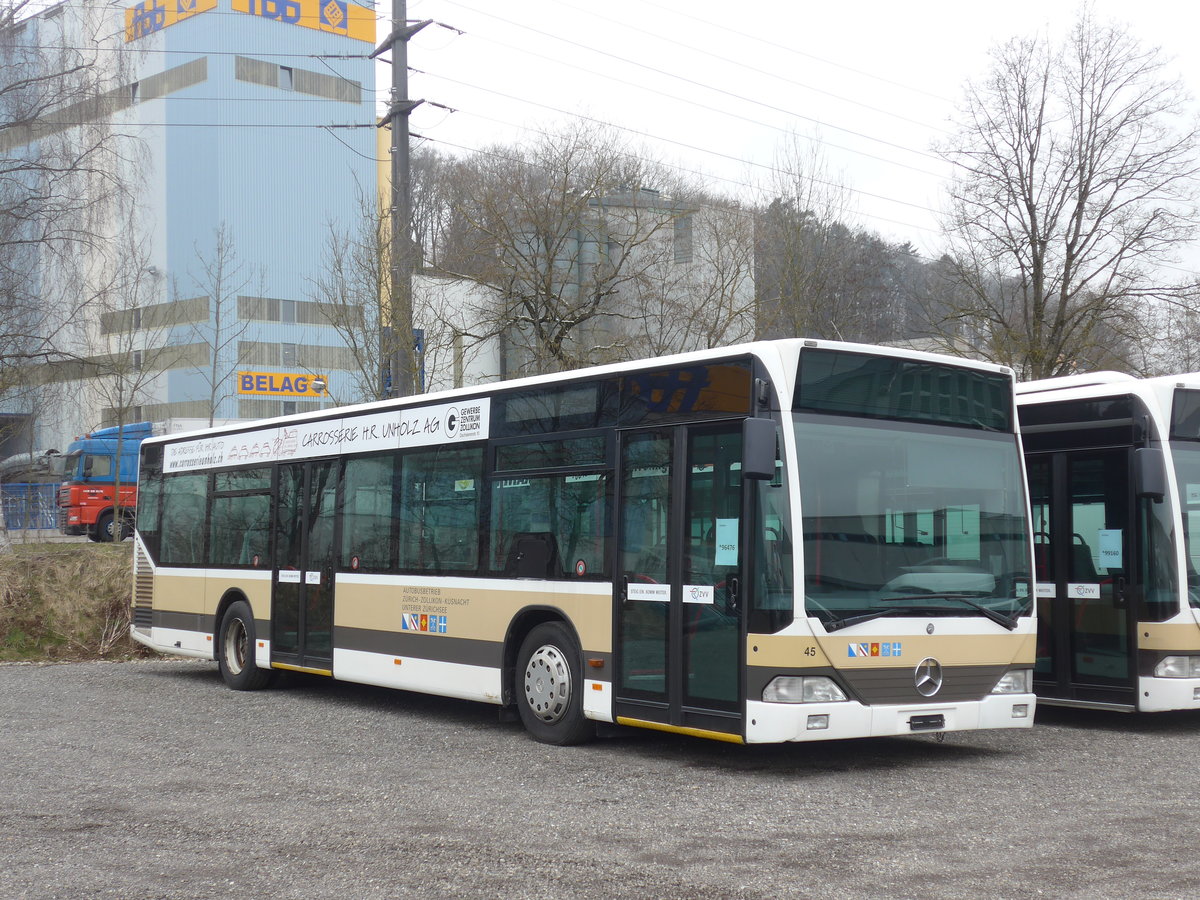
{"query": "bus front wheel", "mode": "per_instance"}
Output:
(550, 686)
(235, 646)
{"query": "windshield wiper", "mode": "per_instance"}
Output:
(998, 617)
(839, 624)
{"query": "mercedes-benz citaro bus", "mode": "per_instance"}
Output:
(1114, 475)
(786, 541)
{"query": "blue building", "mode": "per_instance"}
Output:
(252, 126)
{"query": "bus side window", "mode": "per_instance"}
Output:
(439, 510)
(240, 530)
(367, 520)
(565, 513)
(183, 519)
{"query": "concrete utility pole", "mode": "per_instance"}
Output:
(402, 356)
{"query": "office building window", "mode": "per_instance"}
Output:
(683, 238)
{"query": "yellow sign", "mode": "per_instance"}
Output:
(150, 16)
(333, 16)
(282, 384)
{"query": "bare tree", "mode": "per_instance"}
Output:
(60, 164)
(130, 332)
(1076, 180)
(805, 275)
(436, 182)
(221, 278)
(1176, 347)
(353, 291)
(564, 232)
(697, 289)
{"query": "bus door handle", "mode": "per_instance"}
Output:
(1119, 592)
(624, 588)
(733, 602)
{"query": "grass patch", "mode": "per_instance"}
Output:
(66, 601)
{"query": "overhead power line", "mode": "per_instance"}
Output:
(686, 80)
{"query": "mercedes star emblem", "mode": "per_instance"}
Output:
(928, 676)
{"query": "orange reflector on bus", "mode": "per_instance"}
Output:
(398, 662)
(597, 686)
(596, 663)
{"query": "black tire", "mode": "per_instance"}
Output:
(549, 687)
(235, 650)
(103, 529)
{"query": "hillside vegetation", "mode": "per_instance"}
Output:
(66, 601)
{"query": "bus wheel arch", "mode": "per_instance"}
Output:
(546, 682)
(235, 644)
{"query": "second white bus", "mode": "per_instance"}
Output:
(1114, 470)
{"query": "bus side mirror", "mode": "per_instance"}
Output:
(758, 448)
(1149, 473)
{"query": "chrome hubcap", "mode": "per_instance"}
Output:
(548, 683)
(235, 646)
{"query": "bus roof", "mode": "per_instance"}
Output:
(780, 355)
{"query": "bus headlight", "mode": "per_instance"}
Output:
(1014, 681)
(802, 689)
(1178, 667)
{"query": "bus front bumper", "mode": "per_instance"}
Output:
(1164, 694)
(773, 722)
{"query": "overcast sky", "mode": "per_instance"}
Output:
(715, 87)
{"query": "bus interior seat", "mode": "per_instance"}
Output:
(1041, 560)
(1083, 566)
(848, 559)
(532, 554)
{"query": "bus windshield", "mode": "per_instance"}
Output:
(1187, 473)
(910, 519)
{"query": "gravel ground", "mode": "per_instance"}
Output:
(152, 780)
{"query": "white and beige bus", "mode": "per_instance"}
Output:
(784, 541)
(1114, 476)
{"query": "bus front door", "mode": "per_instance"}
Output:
(1086, 582)
(679, 581)
(302, 594)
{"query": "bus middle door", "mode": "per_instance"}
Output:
(302, 594)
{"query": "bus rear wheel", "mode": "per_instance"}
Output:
(550, 687)
(235, 650)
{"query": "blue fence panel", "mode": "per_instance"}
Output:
(30, 506)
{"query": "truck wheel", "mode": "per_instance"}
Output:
(235, 650)
(102, 531)
(550, 687)
(105, 526)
